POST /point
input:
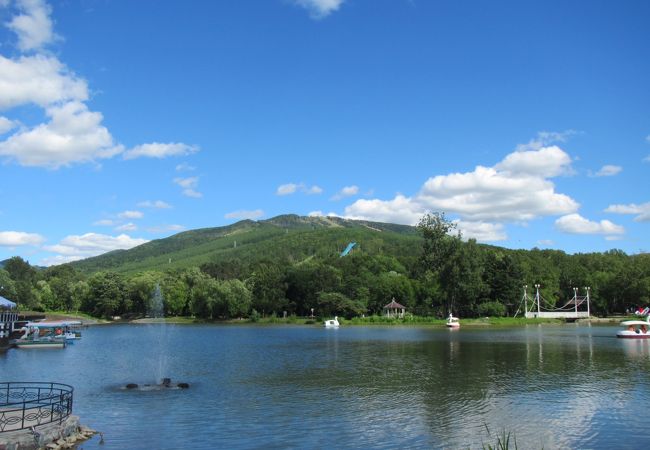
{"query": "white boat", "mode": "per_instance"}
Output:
(332, 323)
(452, 322)
(634, 329)
(41, 335)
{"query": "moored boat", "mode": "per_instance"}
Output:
(452, 322)
(8, 317)
(41, 335)
(332, 323)
(634, 329)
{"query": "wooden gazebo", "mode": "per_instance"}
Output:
(394, 309)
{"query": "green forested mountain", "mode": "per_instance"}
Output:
(291, 265)
(286, 239)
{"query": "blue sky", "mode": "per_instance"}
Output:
(528, 123)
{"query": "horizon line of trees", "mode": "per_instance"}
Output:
(449, 275)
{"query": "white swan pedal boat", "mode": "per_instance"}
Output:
(332, 323)
(452, 322)
(634, 329)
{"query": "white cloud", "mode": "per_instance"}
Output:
(39, 79)
(192, 193)
(546, 242)
(576, 224)
(104, 223)
(544, 162)
(319, 8)
(16, 238)
(157, 204)
(546, 138)
(160, 150)
(131, 215)
(130, 226)
(187, 182)
(292, 188)
(184, 167)
(315, 214)
(647, 138)
(347, 191)
(73, 135)
(646, 159)
(516, 190)
(399, 210)
(189, 186)
(312, 190)
(33, 27)
(244, 214)
(642, 211)
(287, 189)
(90, 244)
(608, 171)
(482, 231)
(6, 125)
(165, 228)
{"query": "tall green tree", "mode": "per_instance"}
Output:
(107, 295)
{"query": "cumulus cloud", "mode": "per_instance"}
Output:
(546, 138)
(18, 238)
(73, 135)
(189, 186)
(160, 150)
(544, 162)
(287, 189)
(515, 190)
(38, 79)
(130, 226)
(131, 215)
(157, 204)
(33, 25)
(347, 191)
(6, 125)
(481, 231)
(641, 211)
(576, 224)
(608, 171)
(319, 9)
(245, 214)
(76, 247)
(292, 188)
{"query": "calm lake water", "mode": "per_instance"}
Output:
(569, 386)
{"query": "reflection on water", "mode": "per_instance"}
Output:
(381, 387)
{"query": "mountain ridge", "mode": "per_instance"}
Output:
(289, 237)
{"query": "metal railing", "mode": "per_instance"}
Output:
(27, 405)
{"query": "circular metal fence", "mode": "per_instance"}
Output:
(27, 405)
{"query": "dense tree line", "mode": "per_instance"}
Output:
(448, 275)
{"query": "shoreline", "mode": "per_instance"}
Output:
(304, 321)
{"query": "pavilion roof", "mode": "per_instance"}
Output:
(394, 305)
(4, 303)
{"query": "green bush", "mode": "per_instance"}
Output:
(495, 309)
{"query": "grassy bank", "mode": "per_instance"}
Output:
(318, 321)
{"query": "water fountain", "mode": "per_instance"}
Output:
(159, 353)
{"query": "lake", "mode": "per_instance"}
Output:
(550, 386)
